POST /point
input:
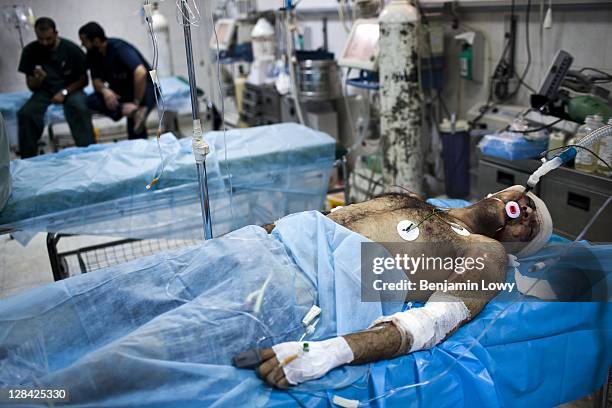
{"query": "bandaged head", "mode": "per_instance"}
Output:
(540, 222)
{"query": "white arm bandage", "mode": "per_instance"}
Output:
(321, 357)
(430, 324)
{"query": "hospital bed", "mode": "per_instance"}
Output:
(176, 96)
(100, 190)
(161, 331)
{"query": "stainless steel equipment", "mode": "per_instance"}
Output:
(319, 79)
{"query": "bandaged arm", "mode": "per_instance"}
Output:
(424, 327)
(389, 336)
(401, 333)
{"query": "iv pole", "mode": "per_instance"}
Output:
(200, 147)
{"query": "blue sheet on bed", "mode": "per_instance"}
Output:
(100, 190)
(161, 331)
(176, 97)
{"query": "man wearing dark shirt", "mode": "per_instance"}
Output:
(120, 76)
(56, 73)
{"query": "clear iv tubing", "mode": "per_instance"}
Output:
(476, 341)
(265, 327)
(158, 94)
(292, 74)
(227, 165)
(190, 16)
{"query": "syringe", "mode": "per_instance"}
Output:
(566, 155)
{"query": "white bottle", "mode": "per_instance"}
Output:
(585, 161)
(605, 152)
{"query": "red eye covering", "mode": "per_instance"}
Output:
(544, 224)
(513, 210)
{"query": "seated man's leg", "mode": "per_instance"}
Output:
(31, 123)
(137, 128)
(78, 117)
(95, 102)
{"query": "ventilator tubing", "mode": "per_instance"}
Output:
(568, 154)
(544, 169)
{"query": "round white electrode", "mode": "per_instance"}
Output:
(407, 230)
(513, 210)
(459, 229)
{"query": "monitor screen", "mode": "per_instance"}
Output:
(362, 43)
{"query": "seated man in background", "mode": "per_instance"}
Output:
(120, 76)
(56, 73)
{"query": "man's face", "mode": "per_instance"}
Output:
(47, 38)
(526, 226)
(86, 42)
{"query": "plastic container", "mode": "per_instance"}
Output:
(456, 156)
(511, 145)
(264, 40)
(585, 161)
(556, 140)
(605, 152)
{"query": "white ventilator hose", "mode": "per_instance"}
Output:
(588, 142)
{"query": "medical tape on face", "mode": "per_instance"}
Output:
(321, 357)
(428, 325)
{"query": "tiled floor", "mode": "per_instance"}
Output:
(26, 267)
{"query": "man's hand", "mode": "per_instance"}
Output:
(35, 80)
(129, 109)
(58, 98)
(294, 362)
(111, 99)
(271, 371)
(39, 73)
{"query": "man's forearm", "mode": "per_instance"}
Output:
(98, 85)
(140, 83)
(378, 343)
(77, 85)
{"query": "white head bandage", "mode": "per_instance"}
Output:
(544, 223)
(430, 324)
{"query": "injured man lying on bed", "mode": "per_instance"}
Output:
(174, 322)
(507, 222)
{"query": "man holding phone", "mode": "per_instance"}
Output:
(56, 73)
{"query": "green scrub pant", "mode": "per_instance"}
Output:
(30, 120)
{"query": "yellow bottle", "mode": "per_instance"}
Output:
(585, 161)
(556, 140)
(605, 152)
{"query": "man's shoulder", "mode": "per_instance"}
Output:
(69, 45)
(33, 47)
(119, 44)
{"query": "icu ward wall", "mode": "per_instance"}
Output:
(580, 28)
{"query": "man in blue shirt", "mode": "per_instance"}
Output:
(120, 76)
(55, 73)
